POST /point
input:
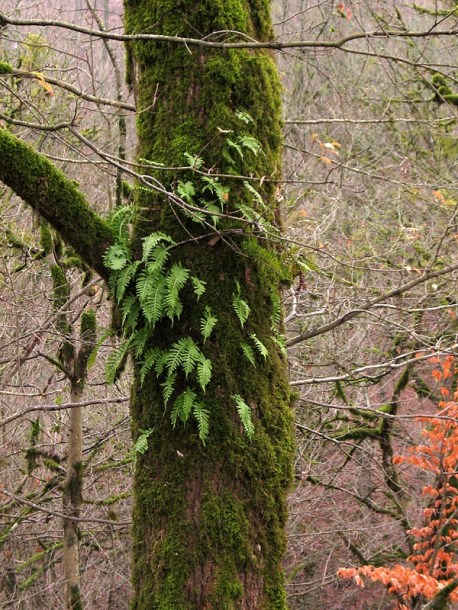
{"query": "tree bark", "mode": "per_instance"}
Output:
(209, 521)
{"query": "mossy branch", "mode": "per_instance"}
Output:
(40, 184)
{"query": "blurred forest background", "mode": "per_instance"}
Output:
(369, 198)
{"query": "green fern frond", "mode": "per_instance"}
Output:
(262, 349)
(204, 372)
(175, 280)
(199, 286)
(241, 308)
(190, 356)
(244, 116)
(168, 387)
(115, 360)
(266, 258)
(207, 323)
(161, 363)
(214, 186)
(141, 444)
(280, 340)
(152, 241)
(202, 417)
(181, 354)
(116, 257)
(244, 412)
(152, 303)
(123, 279)
(151, 358)
(182, 407)
(139, 340)
(275, 317)
(248, 353)
(256, 196)
(157, 259)
(119, 222)
(186, 191)
(194, 161)
(95, 350)
(251, 144)
(130, 308)
(141, 284)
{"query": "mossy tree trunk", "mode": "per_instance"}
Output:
(209, 521)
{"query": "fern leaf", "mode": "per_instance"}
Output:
(244, 116)
(130, 308)
(262, 349)
(116, 257)
(119, 222)
(256, 196)
(186, 190)
(175, 355)
(207, 323)
(157, 259)
(151, 357)
(95, 350)
(194, 161)
(183, 405)
(250, 143)
(115, 360)
(168, 387)
(161, 363)
(215, 187)
(241, 308)
(141, 444)
(141, 284)
(190, 356)
(204, 372)
(152, 241)
(236, 147)
(175, 280)
(123, 279)
(198, 286)
(139, 339)
(248, 353)
(275, 317)
(244, 412)
(202, 417)
(152, 302)
(280, 340)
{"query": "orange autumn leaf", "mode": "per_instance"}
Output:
(437, 375)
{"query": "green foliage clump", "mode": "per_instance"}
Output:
(5, 68)
(443, 92)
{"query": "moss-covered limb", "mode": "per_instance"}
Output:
(40, 184)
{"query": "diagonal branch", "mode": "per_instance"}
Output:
(45, 188)
(349, 315)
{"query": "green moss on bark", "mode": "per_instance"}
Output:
(40, 184)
